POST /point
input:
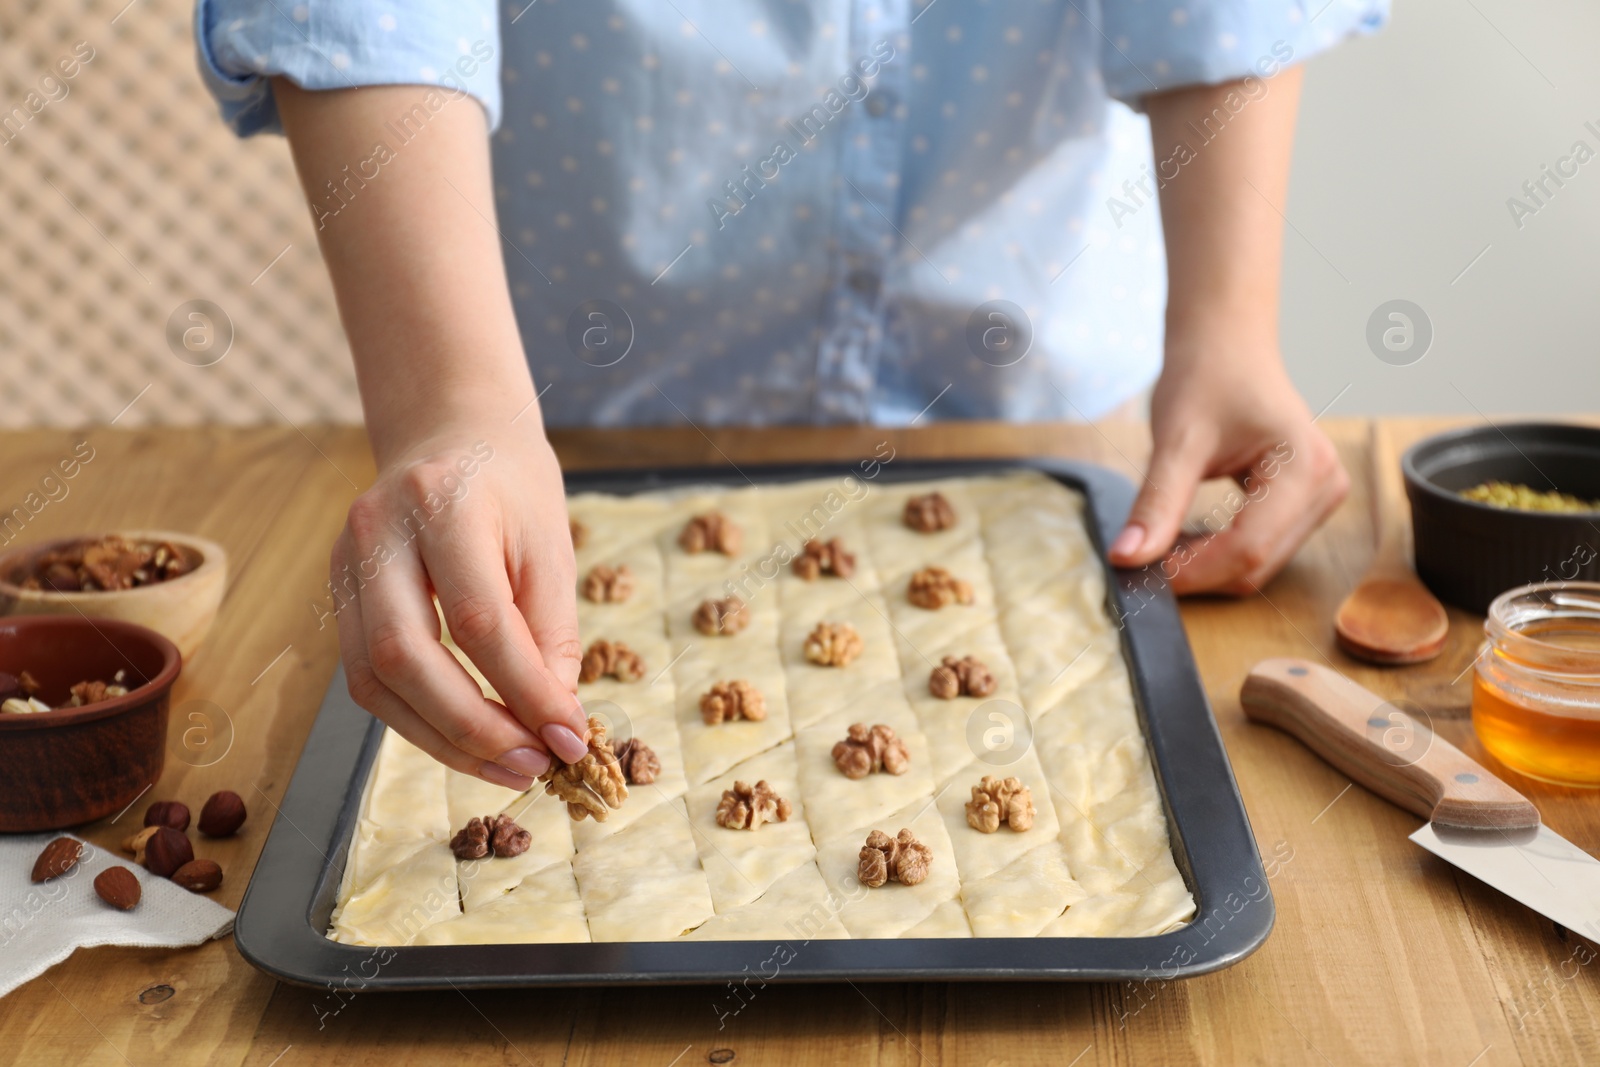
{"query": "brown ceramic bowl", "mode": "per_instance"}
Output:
(74, 765)
(182, 609)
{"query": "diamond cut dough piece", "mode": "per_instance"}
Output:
(977, 854)
(543, 908)
(891, 909)
(947, 920)
(1021, 898)
(1157, 904)
(485, 881)
(644, 883)
(831, 799)
(899, 549)
(375, 849)
(407, 789)
(741, 864)
(816, 691)
(796, 908)
(401, 902)
(711, 750)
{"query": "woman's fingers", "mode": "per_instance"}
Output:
(1176, 468)
(370, 692)
(1277, 515)
(466, 562)
(399, 645)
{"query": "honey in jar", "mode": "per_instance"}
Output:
(1536, 690)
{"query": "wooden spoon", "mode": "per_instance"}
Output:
(1390, 617)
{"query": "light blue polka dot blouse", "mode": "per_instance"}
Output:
(802, 211)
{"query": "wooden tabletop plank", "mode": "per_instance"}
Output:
(1381, 954)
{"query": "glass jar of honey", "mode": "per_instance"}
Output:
(1536, 691)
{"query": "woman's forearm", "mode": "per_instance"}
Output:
(406, 229)
(1222, 158)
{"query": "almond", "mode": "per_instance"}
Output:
(198, 876)
(222, 815)
(118, 887)
(57, 859)
(166, 851)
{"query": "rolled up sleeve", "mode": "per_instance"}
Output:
(344, 44)
(1149, 46)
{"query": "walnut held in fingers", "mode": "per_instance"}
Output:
(817, 558)
(713, 532)
(592, 786)
(729, 701)
(833, 644)
(612, 658)
(608, 585)
(929, 513)
(198, 876)
(726, 616)
(223, 814)
(870, 749)
(934, 587)
(746, 807)
(960, 677)
(118, 887)
(885, 859)
(1000, 800)
(58, 857)
(639, 763)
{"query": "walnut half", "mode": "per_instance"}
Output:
(833, 644)
(498, 834)
(885, 859)
(713, 532)
(817, 558)
(996, 800)
(746, 807)
(869, 749)
(726, 616)
(593, 785)
(929, 513)
(729, 701)
(639, 762)
(961, 677)
(934, 587)
(608, 585)
(612, 658)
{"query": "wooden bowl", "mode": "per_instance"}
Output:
(181, 609)
(75, 765)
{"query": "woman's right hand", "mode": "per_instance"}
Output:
(482, 525)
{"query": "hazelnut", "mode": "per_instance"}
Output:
(170, 813)
(118, 887)
(198, 876)
(166, 851)
(222, 815)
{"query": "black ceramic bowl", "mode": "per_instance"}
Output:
(1469, 553)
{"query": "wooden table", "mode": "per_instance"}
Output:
(1382, 954)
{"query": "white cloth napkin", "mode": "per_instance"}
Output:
(41, 924)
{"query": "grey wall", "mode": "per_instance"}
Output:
(1409, 145)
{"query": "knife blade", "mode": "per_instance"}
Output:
(1477, 823)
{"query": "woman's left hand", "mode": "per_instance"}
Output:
(1223, 411)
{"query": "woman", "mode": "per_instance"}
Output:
(768, 211)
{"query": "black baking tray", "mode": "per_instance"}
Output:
(282, 922)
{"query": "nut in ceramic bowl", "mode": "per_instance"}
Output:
(72, 765)
(181, 606)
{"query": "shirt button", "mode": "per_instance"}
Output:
(877, 105)
(865, 282)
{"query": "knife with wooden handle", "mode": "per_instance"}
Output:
(1476, 821)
